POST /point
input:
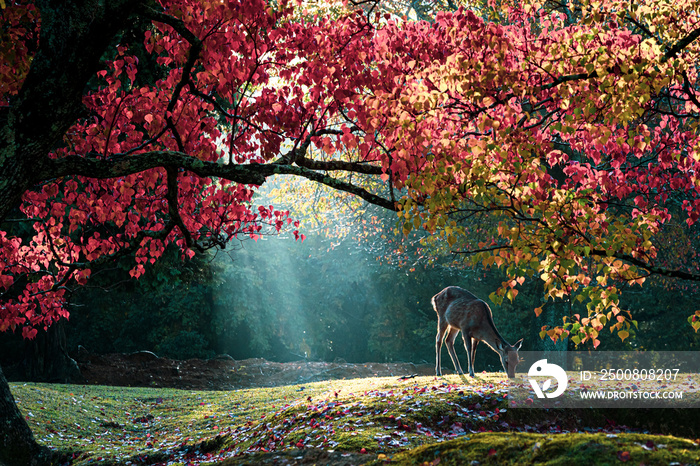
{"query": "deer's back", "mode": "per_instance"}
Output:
(450, 294)
(464, 311)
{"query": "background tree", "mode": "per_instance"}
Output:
(271, 299)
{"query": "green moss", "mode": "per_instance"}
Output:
(560, 449)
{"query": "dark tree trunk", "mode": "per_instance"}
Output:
(73, 37)
(17, 444)
(47, 360)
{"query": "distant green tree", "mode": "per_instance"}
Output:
(168, 311)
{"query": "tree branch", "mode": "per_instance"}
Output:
(173, 203)
(299, 158)
(672, 52)
(648, 267)
(339, 165)
(253, 174)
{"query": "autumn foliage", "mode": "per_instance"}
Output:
(566, 137)
(235, 83)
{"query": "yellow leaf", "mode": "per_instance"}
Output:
(538, 311)
(623, 334)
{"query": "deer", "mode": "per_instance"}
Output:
(459, 310)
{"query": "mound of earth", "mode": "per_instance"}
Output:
(145, 369)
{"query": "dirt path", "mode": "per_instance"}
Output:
(145, 369)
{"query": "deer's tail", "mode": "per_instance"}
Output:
(433, 301)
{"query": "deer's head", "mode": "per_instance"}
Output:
(509, 356)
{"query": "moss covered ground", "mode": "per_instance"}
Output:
(377, 420)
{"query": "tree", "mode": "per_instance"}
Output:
(169, 310)
(560, 143)
(107, 161)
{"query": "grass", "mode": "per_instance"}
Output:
(414, 421)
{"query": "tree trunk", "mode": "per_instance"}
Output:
(74, 35)
(17, 444)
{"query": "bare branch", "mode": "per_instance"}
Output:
(173, 204)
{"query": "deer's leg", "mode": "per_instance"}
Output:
(442, 328)
(470, 345)
(450, 343)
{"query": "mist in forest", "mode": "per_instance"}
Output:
(286, 300)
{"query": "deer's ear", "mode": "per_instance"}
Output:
(518, 344)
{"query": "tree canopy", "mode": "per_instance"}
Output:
(116, 147)
(566, 136)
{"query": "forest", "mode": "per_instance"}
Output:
(323, 300)
(283, 187)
